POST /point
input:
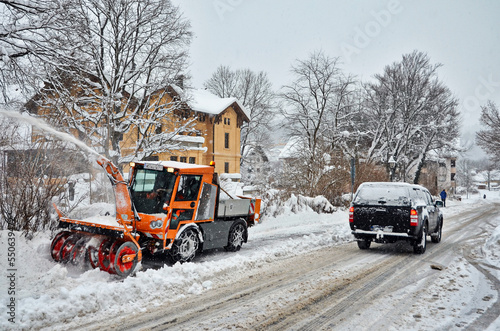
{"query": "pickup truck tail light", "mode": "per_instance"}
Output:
(351, 214)
(413, 218)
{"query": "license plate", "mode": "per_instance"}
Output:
(382, 228)
(152, 166)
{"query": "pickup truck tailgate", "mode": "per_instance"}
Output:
(379, 217)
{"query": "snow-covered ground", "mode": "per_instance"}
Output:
(50, 295)
(448, 299)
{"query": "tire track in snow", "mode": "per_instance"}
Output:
(245, 297)
(491, 314)
(387, 278)
(311, 315)
(317, 290)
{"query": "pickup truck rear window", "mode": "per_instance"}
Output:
(380, 195)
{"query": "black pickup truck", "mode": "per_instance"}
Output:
(387, 212)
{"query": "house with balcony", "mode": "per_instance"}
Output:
(216, 122)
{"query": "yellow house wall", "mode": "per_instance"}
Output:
(127, 145)
(221, 154)
(214, 134)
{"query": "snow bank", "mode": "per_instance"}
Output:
(53, 296)
(58, 296)
(274, 205)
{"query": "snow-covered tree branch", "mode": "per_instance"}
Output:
(489, 137)
(254, 91)
(317, 107)
(109, 70)
(409, 113)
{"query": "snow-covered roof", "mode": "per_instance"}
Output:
(256, 150)
(230, 176)
(206, 102)
(174, 164)
(440, 156)
(189, 139)
(189, 143)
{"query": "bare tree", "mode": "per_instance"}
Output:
(109, 77)
(224, 82)
(254, 91)
(32, 176)
(317, 108)
(23, 43)
(464, 175)
(489, 137)
(410, 112)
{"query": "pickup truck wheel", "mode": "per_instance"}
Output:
(436, 237)
(421, 244)
(364, 243)
(184, 248)
(236, 238)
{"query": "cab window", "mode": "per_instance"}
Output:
(151, 189)
(189, 186)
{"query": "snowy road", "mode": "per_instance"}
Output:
(298, 271)
(341, 287)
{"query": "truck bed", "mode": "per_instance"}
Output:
(233, 208)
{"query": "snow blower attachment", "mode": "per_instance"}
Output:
(167, 208)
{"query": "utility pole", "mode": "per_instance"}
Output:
(353, 176)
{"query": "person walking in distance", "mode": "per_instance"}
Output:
(443, 197)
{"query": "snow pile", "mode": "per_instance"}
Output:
(60, 297)
(489, 248)
(50, 294)
(447, 303)
(319, 204)
(274, 204)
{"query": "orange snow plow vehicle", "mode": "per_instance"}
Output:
(165, 207)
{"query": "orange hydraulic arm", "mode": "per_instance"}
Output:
(124, 211)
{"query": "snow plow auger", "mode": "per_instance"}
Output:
(167, 208)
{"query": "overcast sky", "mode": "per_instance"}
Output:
(462, 35)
